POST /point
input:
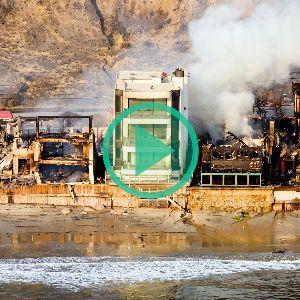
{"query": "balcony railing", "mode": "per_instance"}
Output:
(160, 166)
(149, 114)
(131, 142)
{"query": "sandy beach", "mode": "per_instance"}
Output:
(39, 231)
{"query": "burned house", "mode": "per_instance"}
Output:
(279, 123)
(61, 149)
(296, 92)
(271, 157)
(10, 140)
(6, 119)
(231, 165)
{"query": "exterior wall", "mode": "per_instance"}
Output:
(230, 199)
(182, 84)
(260, 199)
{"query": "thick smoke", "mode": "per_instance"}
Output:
(235, 44)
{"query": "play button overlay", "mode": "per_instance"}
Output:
(139, 144)
(149, 150)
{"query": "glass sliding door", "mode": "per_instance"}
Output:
(148, 113)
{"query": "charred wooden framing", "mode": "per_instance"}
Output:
(228, 159)
(65, 147)
(296, 92)
(61, 149)
(229, 165)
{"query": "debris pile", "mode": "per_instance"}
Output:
(15, 182)
(269, 157)
(56, 149)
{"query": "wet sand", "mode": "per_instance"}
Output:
(39, 231)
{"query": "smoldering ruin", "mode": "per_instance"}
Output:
(50, 149)
(65, 148)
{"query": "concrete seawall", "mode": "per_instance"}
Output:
(64, 194)
(230, 199)
(260, 199)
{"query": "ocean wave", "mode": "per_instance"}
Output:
(75, 273)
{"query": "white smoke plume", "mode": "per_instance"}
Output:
(234, 44)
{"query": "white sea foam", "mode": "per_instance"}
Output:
(78, 272)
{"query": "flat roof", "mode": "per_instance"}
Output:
(139, 75)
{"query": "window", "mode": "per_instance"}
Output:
(217, 179)
(131, 131)
(147, 112)
(228, 155)
(159, 165)
(242, 180)
(162, 164)
(206, 179)
(229, 180)
(132, 102)
(254, 180)
(131, 159)
(157, 130)
(160, 131)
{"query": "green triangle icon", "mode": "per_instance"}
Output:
(149, 150)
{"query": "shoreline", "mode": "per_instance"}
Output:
(41, 230)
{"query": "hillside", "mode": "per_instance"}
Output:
(59, 54)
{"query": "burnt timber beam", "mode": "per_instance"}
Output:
(63, 117)
(64, 140)
(72, 162)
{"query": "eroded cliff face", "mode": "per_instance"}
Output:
(59, 49)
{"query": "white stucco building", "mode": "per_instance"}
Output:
(134, 88)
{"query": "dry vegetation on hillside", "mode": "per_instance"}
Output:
(59, 49)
